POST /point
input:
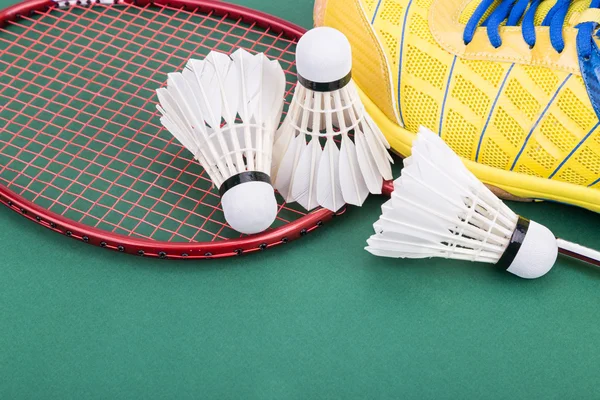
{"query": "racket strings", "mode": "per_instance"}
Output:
(118, 133)
(87, 28)
(82, 134)
(76, 179)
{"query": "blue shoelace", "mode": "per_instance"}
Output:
(515, 12)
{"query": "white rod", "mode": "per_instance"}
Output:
(579, 252)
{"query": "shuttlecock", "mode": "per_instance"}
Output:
(225, 111)
(440, 209)
(308, 166)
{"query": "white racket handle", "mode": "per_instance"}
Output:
(578, 252)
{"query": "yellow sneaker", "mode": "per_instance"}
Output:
(513, 86)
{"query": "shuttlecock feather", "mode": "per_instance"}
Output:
(440, 209)
(225, 111)
(310, 167)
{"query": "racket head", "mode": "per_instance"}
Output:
(82, 150)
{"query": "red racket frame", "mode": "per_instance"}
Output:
(145, 247)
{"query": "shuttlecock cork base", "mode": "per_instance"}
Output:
(440, 209)
(328, 151)
(225, 111)
(532, 250)
(249, 202)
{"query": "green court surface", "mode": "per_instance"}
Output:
(315, 319)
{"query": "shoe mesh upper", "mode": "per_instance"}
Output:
(526, 118)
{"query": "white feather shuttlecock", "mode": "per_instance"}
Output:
(308, 165)
(225, 111)
(440, 209)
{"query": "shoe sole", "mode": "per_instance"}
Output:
(508, 185)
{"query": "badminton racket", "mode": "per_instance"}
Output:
(82, 150)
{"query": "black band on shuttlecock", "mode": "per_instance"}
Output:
(244, 177)
(325, 87)
(514, 246)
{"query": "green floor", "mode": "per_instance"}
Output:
(319, 318)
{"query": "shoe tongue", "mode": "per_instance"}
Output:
(540, 14)
(469, 10)
(575, 7)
